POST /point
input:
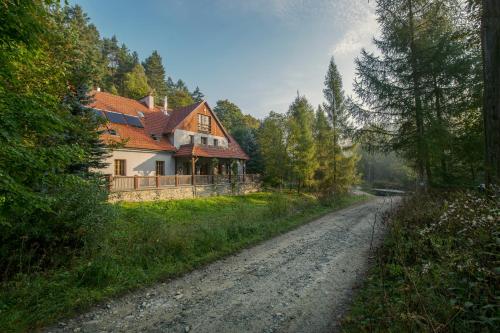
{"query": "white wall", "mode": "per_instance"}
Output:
(140, 162)
(181, 137)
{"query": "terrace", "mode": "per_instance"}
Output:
(133, 183)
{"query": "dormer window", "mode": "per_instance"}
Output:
(216, 142)
(204, 140)
(111, 132)
(191, 139)
(203, 123)
(156, 137)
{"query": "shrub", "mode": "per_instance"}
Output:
(437, 270)
(278, 206)
(48, 238)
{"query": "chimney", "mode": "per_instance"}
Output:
(149, 100)
(165, 104)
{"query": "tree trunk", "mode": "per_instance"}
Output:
(439, 116)
(422, 157)
(490, 42)
(334, 127)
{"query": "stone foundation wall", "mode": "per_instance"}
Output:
(183, 192)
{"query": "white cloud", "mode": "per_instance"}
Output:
(295, 10)
(359, 36)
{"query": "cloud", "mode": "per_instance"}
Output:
(359, 36)
(292, 10)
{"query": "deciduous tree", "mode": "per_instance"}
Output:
(300, 143)
(136, 83)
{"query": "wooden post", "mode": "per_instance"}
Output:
(176, 180)
(110, 183)
(157, 181)
(136, 182)
(192, 170)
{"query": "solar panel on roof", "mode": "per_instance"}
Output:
(133, 121)
(115, 117)
(98, 114)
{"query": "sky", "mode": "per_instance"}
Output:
(256, 53)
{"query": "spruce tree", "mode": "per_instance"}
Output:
(420, 84)
(197, 95)
(155, 73)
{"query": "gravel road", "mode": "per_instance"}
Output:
(301, 281)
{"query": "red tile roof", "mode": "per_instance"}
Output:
(134, 137)
(156, 122)
(109, 102)
(233, 151)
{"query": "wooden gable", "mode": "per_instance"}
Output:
(191, 122)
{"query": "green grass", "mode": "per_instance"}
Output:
(149, 242)
(438, 270)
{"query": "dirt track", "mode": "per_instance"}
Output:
(301, 281)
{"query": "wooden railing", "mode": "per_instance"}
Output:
(125, 183)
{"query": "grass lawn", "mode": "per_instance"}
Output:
(148, 242)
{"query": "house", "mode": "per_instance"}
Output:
(148, 140)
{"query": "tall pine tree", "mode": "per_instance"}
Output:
(197, 95)
(155, 72)
(336, 110)
(422, 83)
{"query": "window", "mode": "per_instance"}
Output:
(204, 140)
(120, 168)
(203, 123)
(191, 139)
(160, 168)
(216, 142)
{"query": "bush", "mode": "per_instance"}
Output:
(44, 239)
(437, 270)
(279, 206)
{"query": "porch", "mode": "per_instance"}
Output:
(204, 166)
(133, 183)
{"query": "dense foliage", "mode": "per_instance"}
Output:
(437, 270)
(244, 129)
(311, 149)
(49, 197)
(421, 95)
